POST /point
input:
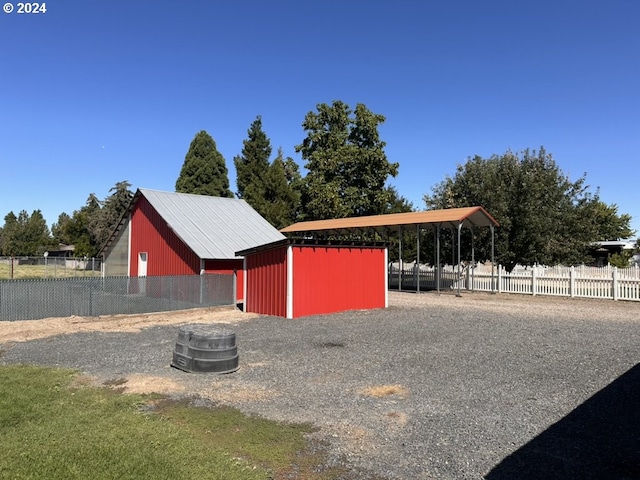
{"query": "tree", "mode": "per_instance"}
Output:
(89, 228)
(544, 217)
(36, 235)
(10, 235)
(204, 171)
(347, 165)
(396, 203)
(84, 229)
(103, 221)
(273, 190)
(116, 204)
(281, 191)
(75, 231)
(252, 165)
(25, 234)
(399, 204)
(60, 230)
(606, 222)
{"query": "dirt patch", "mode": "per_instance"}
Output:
(354, 439)
(381, 391)
(25, 330)
(145, 384)
(218, 391)
(237, 392)
(397, 419)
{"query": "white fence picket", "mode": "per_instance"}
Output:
(586, 282)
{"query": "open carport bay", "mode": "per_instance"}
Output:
(436, 386)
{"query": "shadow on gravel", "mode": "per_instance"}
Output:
(600, 439)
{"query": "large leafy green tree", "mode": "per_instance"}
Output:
(204, 171)
(607, 223)
(346, 163)
(544, 216)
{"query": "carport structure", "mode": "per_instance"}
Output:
(451, 218)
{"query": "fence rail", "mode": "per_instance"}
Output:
(64, 297)
(586, 282)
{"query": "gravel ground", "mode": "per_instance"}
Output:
(435, 386)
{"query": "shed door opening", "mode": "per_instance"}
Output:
(142, 272)
(142, 264)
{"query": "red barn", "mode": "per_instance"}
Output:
(166, 233)
(289, 278)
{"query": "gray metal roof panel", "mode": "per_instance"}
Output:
(213, 227)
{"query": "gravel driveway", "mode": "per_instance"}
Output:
(436, 386)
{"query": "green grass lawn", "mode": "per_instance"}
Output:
(54, 426)
(40, 271)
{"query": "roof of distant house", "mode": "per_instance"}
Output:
(623, 244)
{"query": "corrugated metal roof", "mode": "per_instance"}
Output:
(310, 243)
(451, 217)
(213, 227)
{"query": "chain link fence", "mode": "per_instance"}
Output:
(90, 297)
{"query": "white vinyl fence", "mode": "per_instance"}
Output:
(587, 282)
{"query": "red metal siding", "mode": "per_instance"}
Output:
(267, 282)
(228, 266)
(333, 279)
(166, 253)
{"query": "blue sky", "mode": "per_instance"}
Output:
(96, 92)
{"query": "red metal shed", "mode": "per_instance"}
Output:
(290, 278)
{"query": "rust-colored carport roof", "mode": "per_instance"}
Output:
(449, 218)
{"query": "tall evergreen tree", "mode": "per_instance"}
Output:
(281, 191)
(204, 171)
(87, 227)
(348, 168)
(25, 234)
(83, 229)
(103, 222)
(251, 166)
(10, 235)
(60, 230)
(74, 231)
(273, 190)
(37, 236)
